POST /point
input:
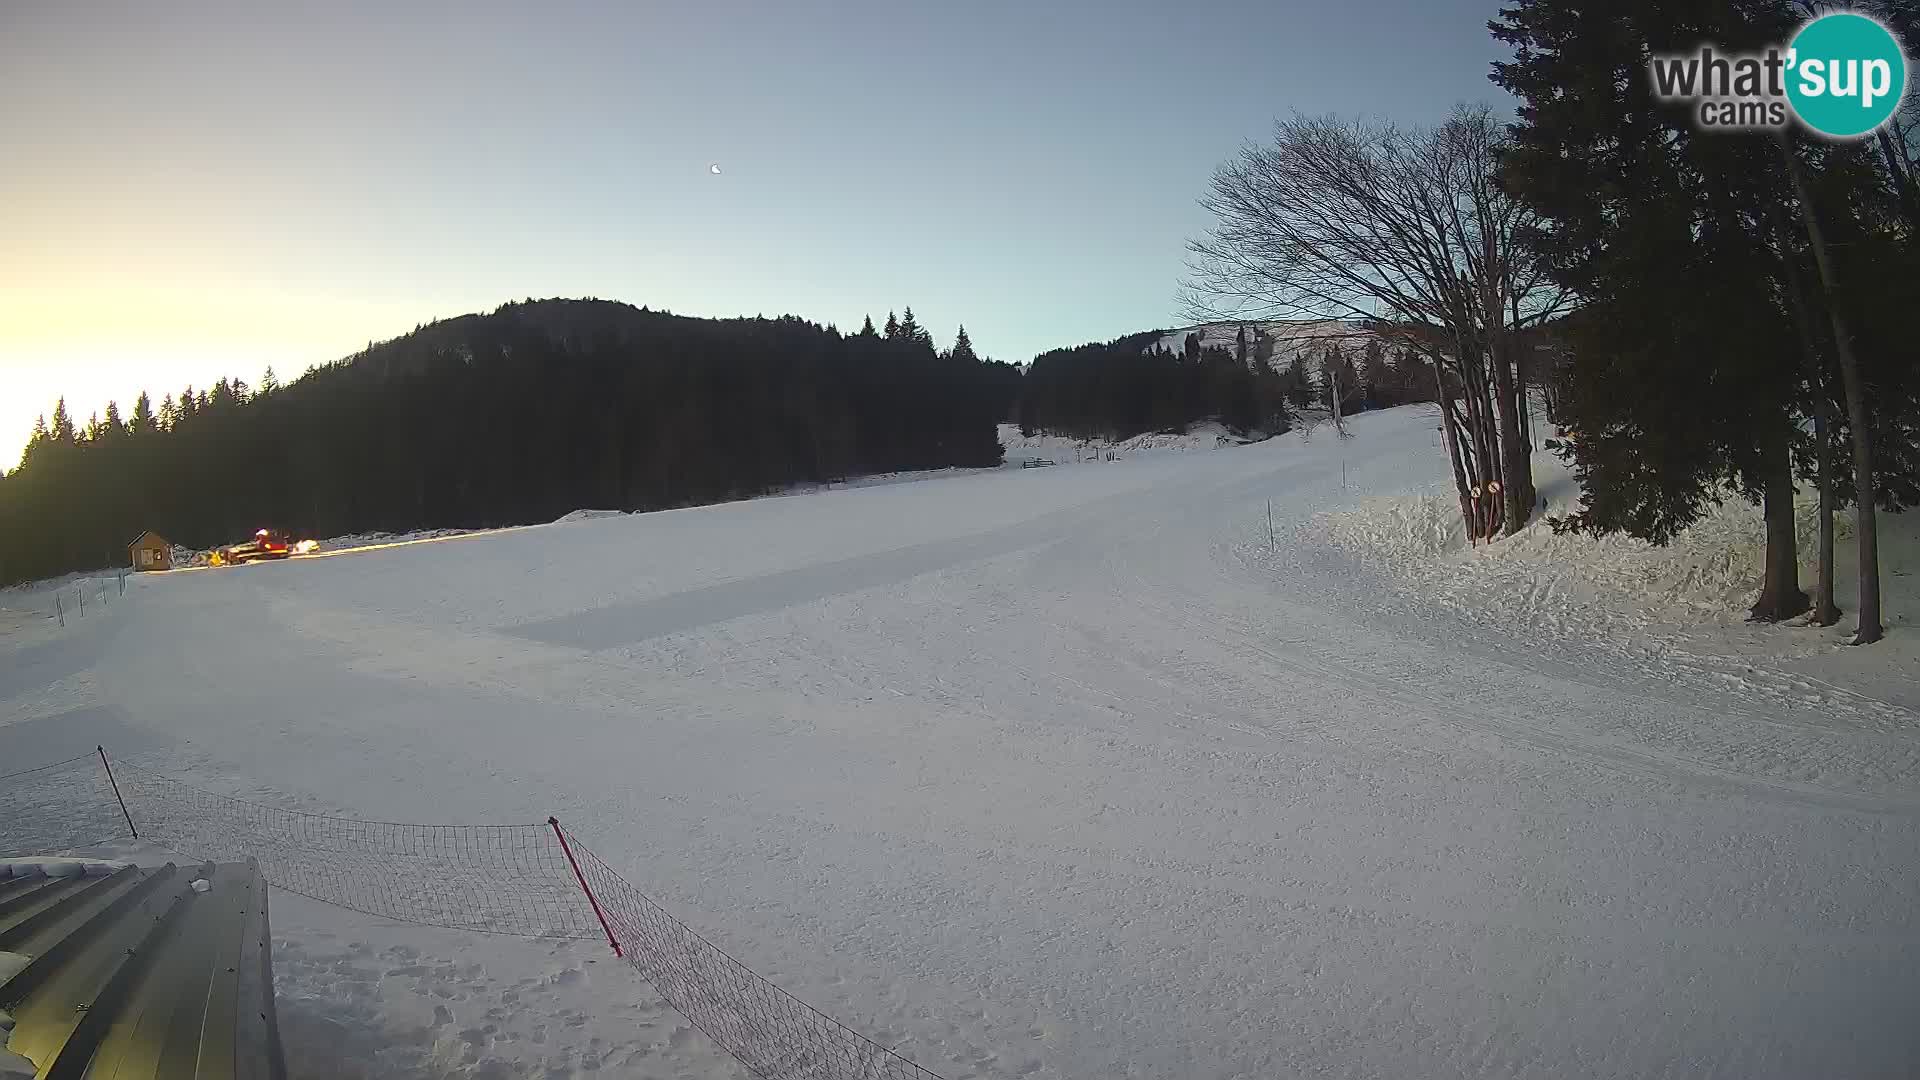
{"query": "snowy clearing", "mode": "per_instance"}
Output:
(1063, 773)
(1062, 450)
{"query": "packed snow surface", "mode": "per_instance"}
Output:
(1065, 772)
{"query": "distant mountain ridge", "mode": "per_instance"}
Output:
(1306, 338)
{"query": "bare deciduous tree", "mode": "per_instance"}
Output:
(1407, 229)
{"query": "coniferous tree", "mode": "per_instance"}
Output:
(1135, 384)
(866, 328)
(963, 348)
(37, 439)
(1299, 386)
(63, 433)
(893, 327)
(1684, 380)
(1262, 349)
(1374, 377)
(912, 331)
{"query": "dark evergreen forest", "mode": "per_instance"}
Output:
(516, 416)
(1131, 385)
(548, 406)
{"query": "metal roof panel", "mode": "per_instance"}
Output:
(136, 975)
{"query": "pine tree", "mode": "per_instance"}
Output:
(1683, 378)
(1262, 349)
(37, 440)
(112, 427)
(1299, 386)
(912, 331)
(1240, 352)
(142, 422)
(866, 328)
(269, 382)
(63, 433)
(1374, 377)
(893, 327)
(963, 348)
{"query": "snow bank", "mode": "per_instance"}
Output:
(1063, 450)
(1611, 586)
(587, 515)
(36, 605)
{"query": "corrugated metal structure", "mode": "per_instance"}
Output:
(136, 974)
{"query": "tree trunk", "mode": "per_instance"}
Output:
(1780, 595)
(1481, 441)
(1866, 527)
(1825, 611)
(1487, 449)
(1453, 448)
(1522, 362)
(1516, 472)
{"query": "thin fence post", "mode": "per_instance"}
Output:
(116, 790)
(82, 594)
(582, 879)
(1272, 545)
(59, 609)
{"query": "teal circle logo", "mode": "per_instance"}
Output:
(1846, 75)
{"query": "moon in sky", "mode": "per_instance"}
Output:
(714, 168)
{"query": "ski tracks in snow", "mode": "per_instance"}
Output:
(1067, 772)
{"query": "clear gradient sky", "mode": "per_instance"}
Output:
(189, 190)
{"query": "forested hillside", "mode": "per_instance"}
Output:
(1263, 381)
(516, 416)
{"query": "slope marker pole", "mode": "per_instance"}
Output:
(102, 751)
(582, 879)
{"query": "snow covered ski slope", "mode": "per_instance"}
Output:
(1072, 773)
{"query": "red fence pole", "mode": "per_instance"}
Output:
(582, 879)
(102, 751)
